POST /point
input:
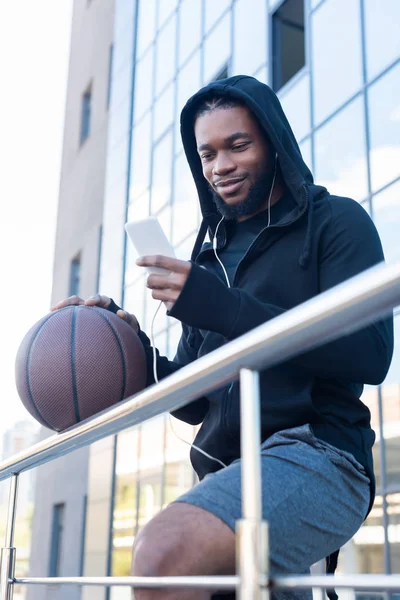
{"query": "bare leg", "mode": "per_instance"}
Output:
(183, 540)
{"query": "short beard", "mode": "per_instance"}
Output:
(253, 203)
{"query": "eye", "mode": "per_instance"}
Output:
(206, 156)
(241, 146)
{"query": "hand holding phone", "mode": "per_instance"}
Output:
(149, 239)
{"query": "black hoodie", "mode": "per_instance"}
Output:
(320, 242)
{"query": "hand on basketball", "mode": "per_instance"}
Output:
(166, 287)
(101, 301)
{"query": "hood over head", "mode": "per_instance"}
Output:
(264, 104)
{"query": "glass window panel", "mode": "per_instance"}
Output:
(140, 160)
(340, 153)
(140, 208)
(179, 472)
(391, 412)
(165, 68)
(249, 25)
(117, 161)
(125, 502)
(336, 55)
(151, 468)
(386, 209)
(189, 82)
(305, 149)
(124, 13)
(123, 47)
(262, 74)
(161, 182)
(296, 104)
(143, 84)
(134, 301)
(217, 48)
(119, 122)
(184, 250)
(146, 25)
(214, 10)
(384, 115)
(381, 23)
(364, 552)
(186, 203)
(189, 28)
(165, 8)
(164, 111)
(393, 501)
(122, 83)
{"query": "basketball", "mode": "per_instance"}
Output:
(75, 362)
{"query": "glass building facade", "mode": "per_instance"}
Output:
(344, 107)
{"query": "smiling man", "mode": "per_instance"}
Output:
(276, 240)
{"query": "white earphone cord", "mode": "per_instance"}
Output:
(228, 284)
(156, 380)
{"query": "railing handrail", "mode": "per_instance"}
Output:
(328, 316)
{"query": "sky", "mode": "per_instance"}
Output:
(34, 55)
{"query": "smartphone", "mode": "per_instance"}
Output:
(149, 239)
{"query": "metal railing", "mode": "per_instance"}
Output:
(337, 312)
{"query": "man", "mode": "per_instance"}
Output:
(277, 240)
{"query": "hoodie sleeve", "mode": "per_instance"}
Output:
(194, 412)
(349, 245)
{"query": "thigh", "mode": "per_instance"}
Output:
(313, 505)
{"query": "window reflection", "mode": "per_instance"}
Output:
(340, 153)
(386, 208)
(125, 502)
(305, 149)
(165, 8)
(186, 203)
(189, 83)
(296, 105)
(381, 23)
(189, 28)
(384, 115)
(214, 10)
(336, 55)
(165, 66)
(143, 84)
(393, 501)
(141, 155)
(164, 111)
(135, 297)
(161, 183)
(217, 48)
(151, 459)
(391, 413)
(146, 25)
(249, 25)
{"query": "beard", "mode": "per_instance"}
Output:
(252, 204)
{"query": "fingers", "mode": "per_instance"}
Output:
(165, 262)
(98, 300)
(71, 301)
(130, 319)
(174, 281)
(167, 296)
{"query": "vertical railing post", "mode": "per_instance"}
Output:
(7, 564)
(252, 531)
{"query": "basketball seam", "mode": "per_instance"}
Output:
(28, 385)
(115, 332)
(73, 369)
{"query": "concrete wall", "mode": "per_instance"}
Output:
(80, 213)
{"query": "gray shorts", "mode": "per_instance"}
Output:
(314, 497)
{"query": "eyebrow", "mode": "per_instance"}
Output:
(228, 140)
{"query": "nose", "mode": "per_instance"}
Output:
(223, 164)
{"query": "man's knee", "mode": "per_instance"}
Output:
(183, 540)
